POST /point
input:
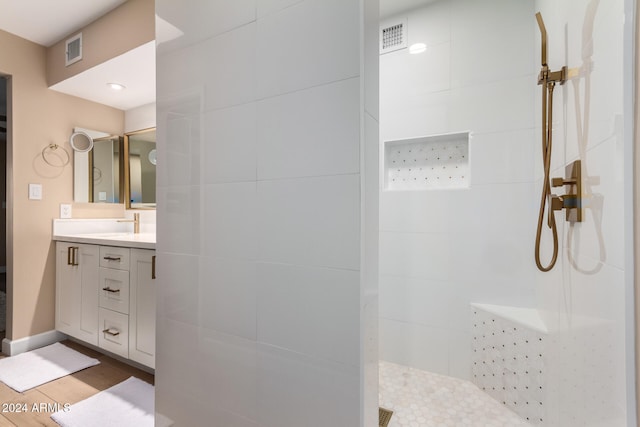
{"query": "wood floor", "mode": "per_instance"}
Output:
(70, 389)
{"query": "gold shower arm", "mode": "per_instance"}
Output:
(543, 35)
(545, 75)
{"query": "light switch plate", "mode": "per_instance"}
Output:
(65, 210)
(35, 191)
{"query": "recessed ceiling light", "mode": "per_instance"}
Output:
(116, 86)
(417, 48)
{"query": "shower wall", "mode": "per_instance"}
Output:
(441, 249)
(583, 301)
(267, 213)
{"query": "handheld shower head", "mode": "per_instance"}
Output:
(543, 35)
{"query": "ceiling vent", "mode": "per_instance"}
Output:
(393, 36)
(73, 49)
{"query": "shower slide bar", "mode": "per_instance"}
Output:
(572, 201)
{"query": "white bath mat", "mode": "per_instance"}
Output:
(36, 367)
(128, 404)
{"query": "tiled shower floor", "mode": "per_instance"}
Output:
(423, 399)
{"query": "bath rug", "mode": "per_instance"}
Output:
(33, 368)
(127, 404)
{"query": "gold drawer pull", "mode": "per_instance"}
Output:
(112, 258)
(153, 267)
(110, 332)
(72, 255)
(111, 290)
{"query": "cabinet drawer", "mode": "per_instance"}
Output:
(113, 335)
(113, 257)
(114, 289)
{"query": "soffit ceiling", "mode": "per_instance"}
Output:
(45, 22)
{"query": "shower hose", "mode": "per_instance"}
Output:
(547, 115)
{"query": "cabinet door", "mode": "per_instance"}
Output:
(77, 290)
(142, 309)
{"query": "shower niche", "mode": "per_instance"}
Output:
(434, 162)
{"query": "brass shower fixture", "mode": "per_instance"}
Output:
(572, 201)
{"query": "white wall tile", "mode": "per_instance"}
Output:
(371, 214)
(308, 44)
(311, 132)
(265, 7)
(213, 359)
(417, 116)
(227, 296)
(409, 77)
(219, 217)
(419, 255)
(181, 71)
(224, 66)
(310, 221)
(506, 105)
(312, 311)
(460, 355)
(433, 303)
(230, 220)
(179, 289)
(179, 220)
(312, 386)
(230, 64)
(422, 347)
(182, 143)
(371, 72)
(503, 157)
(430, 24)
(600, 237)
(230, 146)
(471, 19)
(447, 248)
(203, 19)
(231, 364)
(483, 56)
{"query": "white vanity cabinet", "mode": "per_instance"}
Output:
(113, 313)
(77, 290)
(105, 296)
(142, 314)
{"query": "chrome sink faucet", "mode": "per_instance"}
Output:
(135, 221)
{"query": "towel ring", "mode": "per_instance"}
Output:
(51, 149)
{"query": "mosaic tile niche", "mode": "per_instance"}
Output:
(428, 163)
(508, 358)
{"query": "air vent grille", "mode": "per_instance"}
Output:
(73, 49)
(393, 36)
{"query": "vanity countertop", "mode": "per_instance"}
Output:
(127, 240)
(106, 232)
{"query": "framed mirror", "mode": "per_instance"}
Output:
(98, 173)
(106, 170)
(140, 169)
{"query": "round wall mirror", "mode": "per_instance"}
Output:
(81, 142)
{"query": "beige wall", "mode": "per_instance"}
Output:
(105, 39)
(38, 116)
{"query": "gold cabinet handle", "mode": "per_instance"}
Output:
(108, 289)
(110, 332)
(153, 267)
(72, 255)
(112, 258)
